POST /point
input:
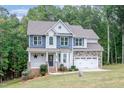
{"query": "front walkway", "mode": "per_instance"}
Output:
(85, 70)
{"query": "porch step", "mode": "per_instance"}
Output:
(52, 69)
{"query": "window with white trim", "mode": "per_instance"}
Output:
(59, 55)
(64, 41)
(37, 40)
(64, 58)
(79, 41)
(50, 40)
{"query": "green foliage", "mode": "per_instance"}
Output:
(25, 74)
(13, 36)
(43, 69)
(73, 68)
(62, 68)
(13, 57)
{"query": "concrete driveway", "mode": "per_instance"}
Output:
(82, 70)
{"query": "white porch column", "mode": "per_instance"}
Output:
(69, 59)
(61, 58)
(56, 60)
(29, 60)
(72, 52)
(72, 57)
(47, 61)
(29, 56)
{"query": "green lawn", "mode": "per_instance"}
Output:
(113, 78)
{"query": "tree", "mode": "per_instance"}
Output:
(119, 11)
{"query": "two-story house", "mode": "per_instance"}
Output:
(55, 43)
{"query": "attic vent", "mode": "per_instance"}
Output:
(59, 27)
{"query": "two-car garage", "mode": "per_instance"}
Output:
(86, 62)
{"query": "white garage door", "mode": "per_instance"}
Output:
(86, 62)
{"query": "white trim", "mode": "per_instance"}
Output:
(67, 42)
(46, 56)
(79, 42)
(52, 40)
(29, 40)
(56, 24)
(37, 40)
(84, 44)
(65, 26)
(29, 57)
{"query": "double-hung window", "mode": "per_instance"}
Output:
(64, 58)
(50, 40)
(64, 41)
(37, 40)
(59, 55)
(79, 41)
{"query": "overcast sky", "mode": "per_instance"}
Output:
(19, 10)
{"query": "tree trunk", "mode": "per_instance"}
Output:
(108, 41)
(122, 43)
(115, 50)
(0, 79)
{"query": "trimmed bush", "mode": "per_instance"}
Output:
(61, 67)
(25, 74)
(43, 69)
(73, 67)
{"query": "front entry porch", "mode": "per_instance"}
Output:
(52, 61)
(53, 58)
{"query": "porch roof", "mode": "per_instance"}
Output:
(90, 47)
(48, 50)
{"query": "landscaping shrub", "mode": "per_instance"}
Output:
(73, 68)
(43, 69)
(69, 69)
(65, 69)
(25, 74)
(31, 76)
(61, 67)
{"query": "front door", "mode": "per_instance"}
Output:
(50, 60)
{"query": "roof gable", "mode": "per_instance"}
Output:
(60, 27)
